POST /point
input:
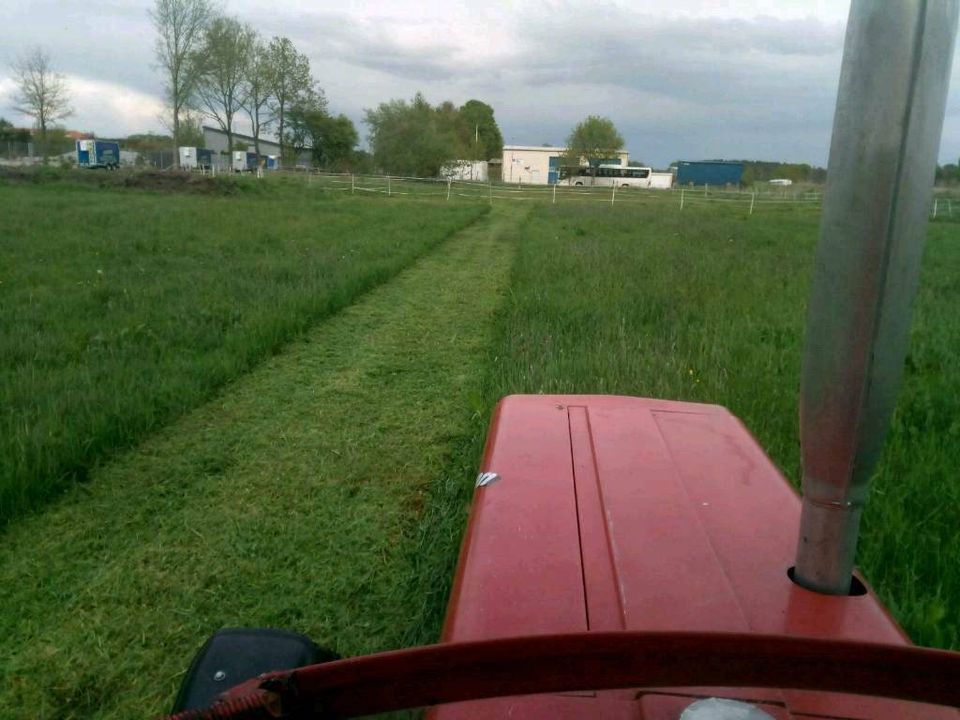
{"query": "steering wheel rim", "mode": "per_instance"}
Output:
(455, 672)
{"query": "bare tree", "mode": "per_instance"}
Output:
(259, 90)
(291, 80)
(223, 60)
(180, 28)
(41, 91)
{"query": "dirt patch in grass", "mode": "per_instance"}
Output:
(149, 180)
(175, 182)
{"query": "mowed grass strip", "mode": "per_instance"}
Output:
(708, 305)
(292, 500)
(119, 310)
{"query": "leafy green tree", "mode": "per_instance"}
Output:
(223, 60)
(292, 83)
(259, 82)
(484, 139)
(191, 130)
(947, 174)
(9, 133)
(333, 140)
(310, 105)
(361, 162)
(593, 139)
(180, 26)
(414, 138)
(147, 142)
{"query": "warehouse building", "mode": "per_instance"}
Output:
(709, 172)
(540, 165)
(215, 139)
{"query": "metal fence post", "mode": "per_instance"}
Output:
(753, 197)
(449, 184)
(554, 193)
(681, 198)
(389, 191)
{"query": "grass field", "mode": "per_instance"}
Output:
(120, 310)
(291, 500)
(326, 489)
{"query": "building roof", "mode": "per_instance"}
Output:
(541, 148)
(244, 138)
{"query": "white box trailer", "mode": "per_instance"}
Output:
(476, 170)
(188, 158)
(239, 161)
(661, 180)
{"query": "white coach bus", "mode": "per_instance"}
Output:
(610, 176)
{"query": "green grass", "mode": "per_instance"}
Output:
(291, 500)
(326, 490)
(708, 305)
(119, 310)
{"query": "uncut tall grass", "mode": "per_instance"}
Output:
(708, 305)
(120, 310)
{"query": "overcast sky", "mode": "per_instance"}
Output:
(681, 79)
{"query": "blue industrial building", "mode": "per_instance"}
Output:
(709, 172)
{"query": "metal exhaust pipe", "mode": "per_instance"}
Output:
(886, 135)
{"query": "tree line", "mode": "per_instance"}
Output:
(217, 67)
(221, 67)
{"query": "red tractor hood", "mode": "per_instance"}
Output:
(602, 513)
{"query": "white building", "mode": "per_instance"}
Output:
(661, 180)
(539, 165)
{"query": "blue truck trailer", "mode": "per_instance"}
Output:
(709, 172)
(98, 154)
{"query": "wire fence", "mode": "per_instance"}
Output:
(945, 205)
(448, 189)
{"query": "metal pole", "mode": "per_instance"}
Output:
(613, 194)
(886, 132)
(753, 198)
(351, 183)
(449, 183)
(706, 186)
(554, 193)
(681, 198)
(935, 208)
(490, 191)
(389, 192)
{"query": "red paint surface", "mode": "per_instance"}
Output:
(617, 513)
